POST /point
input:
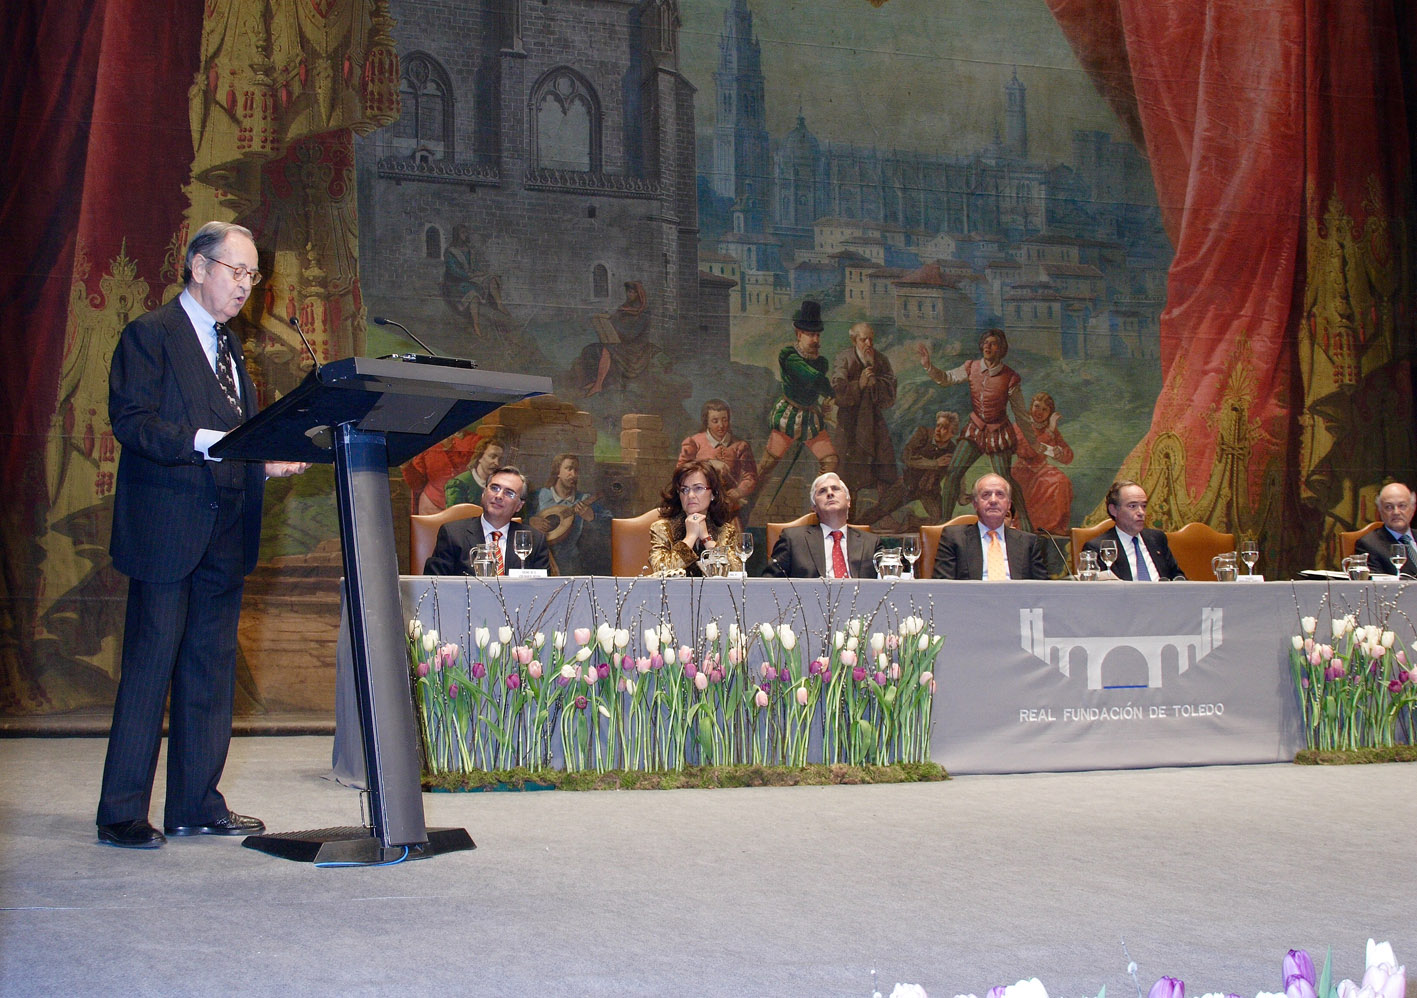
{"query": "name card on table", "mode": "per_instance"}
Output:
(526, 573)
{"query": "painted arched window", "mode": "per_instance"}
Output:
(599, 281)
(425, 126)
(565, 118)
(433, 243)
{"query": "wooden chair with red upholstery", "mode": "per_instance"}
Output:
(629, 543)
(423, 531)
(1348, 540)
(1081, 535)
(1193, 547)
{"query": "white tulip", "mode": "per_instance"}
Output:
(558, 640)
(415, 628)
(538, 640)
(1308, 624)
(788, 638)
(1387, 638)
(504, 635)
(766, 630)
(651, 640)
(854, 626)
(430, 640)
(480, 636)
(852, 643)
(1297, 642)
(605, 636)
(878, 641)
(924, 643)
(711, 631)
(494, 649)
(583, 653)
(568, 672)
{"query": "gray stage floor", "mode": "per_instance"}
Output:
(1208, 874)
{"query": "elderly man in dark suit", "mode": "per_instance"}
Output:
(1143, 553)
(989, 550)
(186, 532)
(502, 499)
(829, 549)
(1395, 505)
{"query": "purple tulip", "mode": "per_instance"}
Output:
(858, 675)
(880, 678)
(826, 674)
(690, 670)
(784, 676)
(514, 681)
(452, 691)
(656, 661)
(997, 991)
(1394, 686)
(1299, 988)
(422, 669)
(602, 670)
(716, 676)
(581, 703)
(562, 681)
(1298, 963)
(478, 670)
(1168, 987)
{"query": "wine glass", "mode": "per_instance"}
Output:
(1398, 554)
(745, 548)
(1249, 554)
(910, 550)
(521, 544)
(1108, 551)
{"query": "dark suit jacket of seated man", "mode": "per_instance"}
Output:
(801, 553)
(961, 554)
(503, 497)
(1156, 545)
(1377, 545)
(804, 553)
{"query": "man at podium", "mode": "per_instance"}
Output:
(186, 532)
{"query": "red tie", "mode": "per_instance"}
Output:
(497, 547)
(838, 556)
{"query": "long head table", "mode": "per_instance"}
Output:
(1033, 677)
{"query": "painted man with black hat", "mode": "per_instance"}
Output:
(800, 414)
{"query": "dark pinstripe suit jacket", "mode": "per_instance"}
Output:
(160, 391)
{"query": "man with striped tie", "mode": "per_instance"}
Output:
(1395, 503)
(989, 550)
(502, 499)
(186, 532)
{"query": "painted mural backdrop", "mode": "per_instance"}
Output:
(1195, 246)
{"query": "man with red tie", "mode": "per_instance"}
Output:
(502, 499)
(828, 549)
(989, 550)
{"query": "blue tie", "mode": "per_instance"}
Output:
(1142, 574)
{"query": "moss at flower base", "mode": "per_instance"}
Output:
(1350, 757)
(692, 777)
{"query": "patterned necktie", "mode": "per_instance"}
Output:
(998, 571)
(838, 556)
(223, 370)
(497, 549)
(1411, 551)
(1142, 574)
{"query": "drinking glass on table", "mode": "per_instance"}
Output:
(910, 550)
(745, 547)
(1108, 552)
(521, 544)
(1398, 554)
(1249, 554)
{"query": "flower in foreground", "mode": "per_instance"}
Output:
(761, 698)
(1033, 988)
(1308, 624)
(1168, 987)
(1298, 964)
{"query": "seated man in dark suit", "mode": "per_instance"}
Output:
(1395, 505)
(501, 500)
(829, 550)
(988, 550)
(1143, 554)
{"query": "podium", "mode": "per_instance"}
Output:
(363, 415)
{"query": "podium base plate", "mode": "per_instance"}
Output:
(354, 845)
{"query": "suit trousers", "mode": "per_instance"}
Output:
(179, 637)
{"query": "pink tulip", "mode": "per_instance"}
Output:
(452, 691)
(760, 698)
(1315, 657)
(656, 661)
(802, 696)
(848, 657)
(685, 653)
(926, 678)
(733, 656)
(701, 682)
(534, 670)
(523, 654)
(895, 670)
(1168, 987)
(1401, 657)
(892, 641)
(716, 676)
(642, 664)
(880, 678)
(582, 635)
(691, 670)
(422, 669)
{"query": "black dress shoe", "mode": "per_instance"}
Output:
(135, 834)
(231, 824)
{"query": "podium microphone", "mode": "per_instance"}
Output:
(1066, 563)
(379, 320)
(295, 325)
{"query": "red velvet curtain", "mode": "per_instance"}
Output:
(1276, 132)
(94, 103)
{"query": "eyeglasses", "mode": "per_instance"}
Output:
(502, 490)
(240, 273)
(693, 490)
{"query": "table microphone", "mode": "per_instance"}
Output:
(1066, 562)
(379, 320)
(295, 325)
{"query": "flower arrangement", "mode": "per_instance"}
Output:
(615, 698)
(1353, 682)
(1383, 977)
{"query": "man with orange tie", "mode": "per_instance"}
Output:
(989, 550)
(828, 549)
(502, 499)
